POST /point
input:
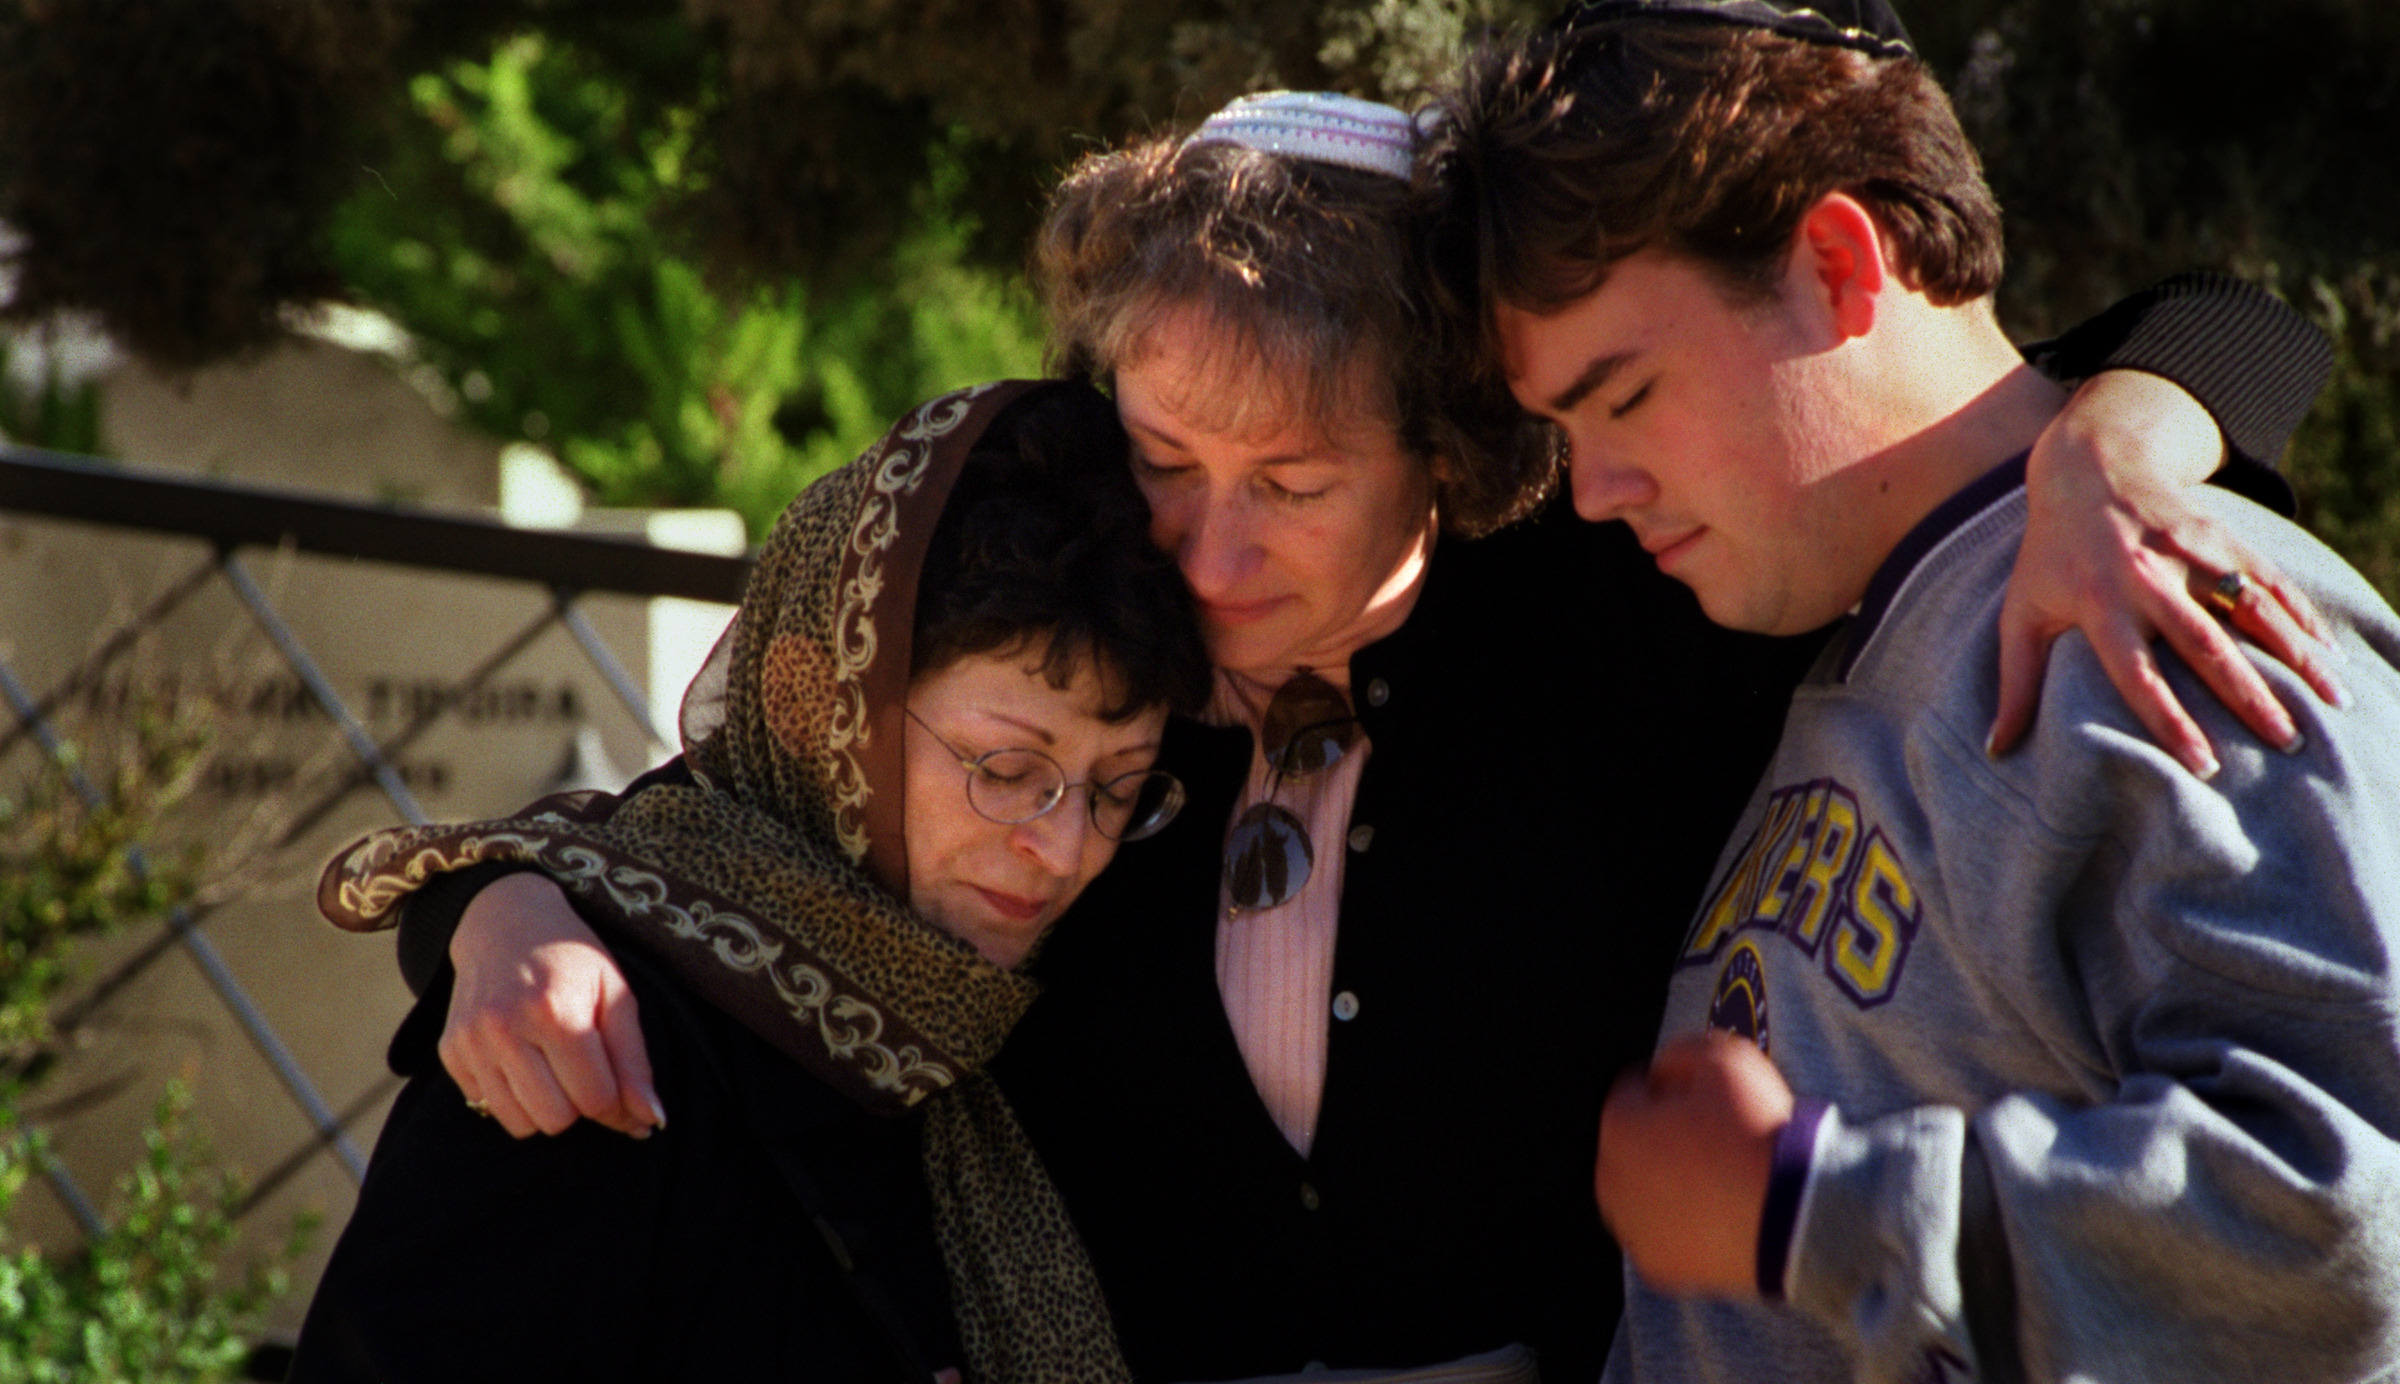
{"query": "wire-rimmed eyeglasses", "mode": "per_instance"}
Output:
(1016, 785)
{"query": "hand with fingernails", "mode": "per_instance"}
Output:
(542, 1029)
(2116, 546)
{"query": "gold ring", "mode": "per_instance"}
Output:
(482, 1108)
(2227, 591)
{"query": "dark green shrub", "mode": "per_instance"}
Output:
(142, 1300)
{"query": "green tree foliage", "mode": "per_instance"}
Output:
(704, 246)
(517, 231)
(827, 104)
(71, 871)
(142, 1303)
(142, 1300)
(168, 165)
(2132, 138)
(49, 411)
(2346, 461)
(810, 131)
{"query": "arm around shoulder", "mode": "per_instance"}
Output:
(2248, 358)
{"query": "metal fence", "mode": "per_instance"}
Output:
(235, 519)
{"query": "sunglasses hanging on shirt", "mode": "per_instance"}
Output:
(1309, 727)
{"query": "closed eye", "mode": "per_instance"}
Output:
(1125, 789)
(1299, 480)
(1289, 495)
(1633, 402)
(1144, 465)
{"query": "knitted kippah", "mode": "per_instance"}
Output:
(1868, 26)
(1317, 125)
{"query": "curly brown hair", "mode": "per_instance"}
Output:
(1313, 273)
(1044, 543)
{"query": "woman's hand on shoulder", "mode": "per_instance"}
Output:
(543, 1029)
(2115, 546)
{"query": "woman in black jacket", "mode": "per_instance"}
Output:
(933, 719)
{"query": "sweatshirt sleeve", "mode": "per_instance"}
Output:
(2215, 1194)
(2255, 364)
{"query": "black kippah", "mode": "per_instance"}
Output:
(1869, 26)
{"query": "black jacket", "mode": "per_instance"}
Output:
(1544, 810)
(773, 1230)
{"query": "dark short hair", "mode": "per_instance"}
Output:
(1566, 152)
(1045, 540)
(1310, 270)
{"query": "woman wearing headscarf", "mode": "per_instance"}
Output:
(1320, 1081)
(930, 723)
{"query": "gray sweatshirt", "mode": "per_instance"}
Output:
(2100, 1063)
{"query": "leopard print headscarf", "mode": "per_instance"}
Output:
(773, 888)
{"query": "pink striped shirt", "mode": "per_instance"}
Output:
(1275, 965)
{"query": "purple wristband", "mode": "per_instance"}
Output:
(1787, 1177)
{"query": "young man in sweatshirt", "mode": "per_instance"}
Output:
(2069, 1064)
